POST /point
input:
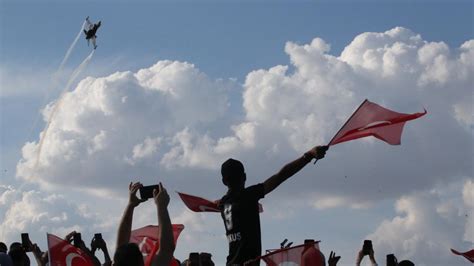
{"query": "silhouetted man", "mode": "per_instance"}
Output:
(240, 210)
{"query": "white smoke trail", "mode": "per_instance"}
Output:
(56, 76)
(74, 75)
(68, 53)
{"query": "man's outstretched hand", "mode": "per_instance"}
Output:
(318, 152)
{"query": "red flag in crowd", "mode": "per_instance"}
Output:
(61, 253)
(198, 204)
(469, 255)
(302, 255)
(147, 239)
(371, 119)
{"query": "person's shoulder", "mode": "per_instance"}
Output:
(258, 189)
(222, 201)
(255, 187)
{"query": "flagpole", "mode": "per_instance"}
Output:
(347, 121)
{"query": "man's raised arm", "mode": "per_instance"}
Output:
(293, 167)
(165, 253)
(125, 227)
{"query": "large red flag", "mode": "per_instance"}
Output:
(61, 253)
(302, 255)
(469, 255)
(198, 204)
(371, 119)
(147, 239)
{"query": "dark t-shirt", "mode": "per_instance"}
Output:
(240, 213)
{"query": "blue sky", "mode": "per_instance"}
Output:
(227, 41)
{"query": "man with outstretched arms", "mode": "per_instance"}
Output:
(240, 210)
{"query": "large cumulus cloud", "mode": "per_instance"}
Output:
(171, 118)
(109, 126)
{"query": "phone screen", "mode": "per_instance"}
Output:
(146, 192)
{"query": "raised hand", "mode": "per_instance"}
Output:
(133, 200)
(333, 259)
(318, 152)
(161, 197)
(69, 237)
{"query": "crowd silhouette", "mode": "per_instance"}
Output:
(239, 210)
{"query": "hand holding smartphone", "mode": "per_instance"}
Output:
(98, 236)
(367, 247)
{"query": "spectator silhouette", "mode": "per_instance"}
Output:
(239, 207)
(128, 254)
(18, 255)
(4, 257)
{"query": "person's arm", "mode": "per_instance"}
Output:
(82, 246)
(108, 260)
(165, 253)
(125, 227)
(37, 253)
(293, 167)
(372, 257)
(359, 258)
(100, 244)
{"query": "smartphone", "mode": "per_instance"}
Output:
(77, 239)
(25, 242)
(391, 260)
(146, 192)
(98, 236)
(367, 247)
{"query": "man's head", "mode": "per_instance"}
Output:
(128, 254)
(18, 255)
(233, 173)
(3, 247)
(406, 263)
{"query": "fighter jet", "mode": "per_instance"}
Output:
(89, 30)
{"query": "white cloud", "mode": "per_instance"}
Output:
(38, 213)
(106, 123)
(144, 150)
(428, 224)
(328, 202)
